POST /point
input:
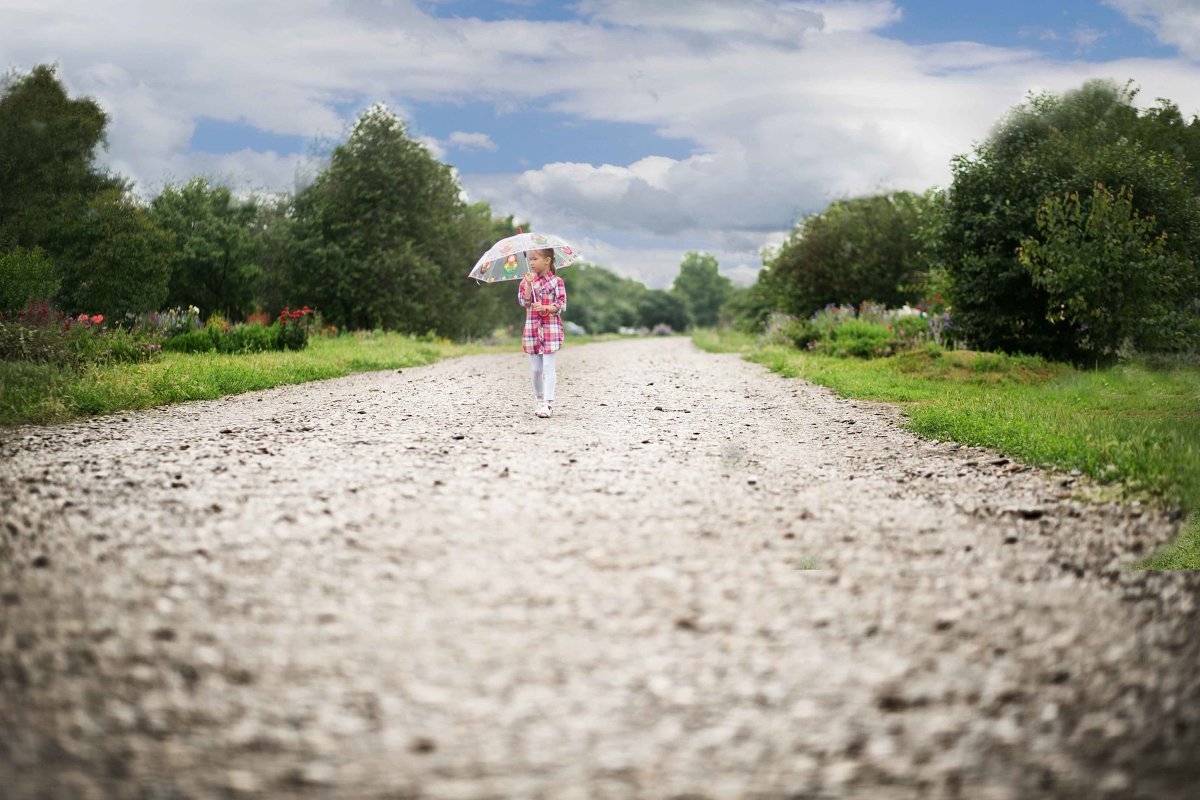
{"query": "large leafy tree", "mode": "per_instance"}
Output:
(701, 288)
(213, 264)
(382, 238)
(108, 254)
(1060, 147)
(48, 145)
(867, 248)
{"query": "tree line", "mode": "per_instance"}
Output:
(380, 239)
(1072, 231)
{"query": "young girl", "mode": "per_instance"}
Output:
(543, 295)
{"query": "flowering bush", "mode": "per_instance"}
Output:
(295, 327)
(40, 333)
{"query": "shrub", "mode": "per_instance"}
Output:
(235, 339)
(38, 335)
(296, 326)
(859, 338)
(256, 338)
(42, 334)
(911, 331)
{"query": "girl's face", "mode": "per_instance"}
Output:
(539, 262)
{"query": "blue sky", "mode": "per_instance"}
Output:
(640, 129)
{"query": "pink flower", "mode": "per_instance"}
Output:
(97, 319)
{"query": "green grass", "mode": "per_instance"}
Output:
(1132, 426)
(40, 393)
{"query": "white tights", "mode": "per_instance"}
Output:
(543, 375)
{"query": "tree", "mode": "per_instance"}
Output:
(657, 307)
(47, 151)
(1107, 273)
(1054, 146)
(382, 238)
(863, 249)
(212, 265)
(701, 288)
(602, 301)
(118, 259)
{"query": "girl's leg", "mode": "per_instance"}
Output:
(535, 361)
(550, 377)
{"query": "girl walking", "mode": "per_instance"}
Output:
(543, 295)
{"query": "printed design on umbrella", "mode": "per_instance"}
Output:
(505, 260)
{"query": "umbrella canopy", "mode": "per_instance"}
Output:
(506, 261)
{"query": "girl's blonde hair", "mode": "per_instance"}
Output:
(549, 253)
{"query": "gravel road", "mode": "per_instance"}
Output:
(697, 580)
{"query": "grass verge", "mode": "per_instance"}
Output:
(44, 393)
(1133, 426)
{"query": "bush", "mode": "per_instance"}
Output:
(296, 326)
(42, 334)
(37, 335)
(858, 338)
(215, 338)
(26, 275)
(255, 338)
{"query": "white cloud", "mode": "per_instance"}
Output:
(433, 145)
(472, 141)
(1174, 22)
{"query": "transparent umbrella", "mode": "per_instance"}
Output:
(506, 261)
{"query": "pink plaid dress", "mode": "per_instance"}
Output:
(543, 333)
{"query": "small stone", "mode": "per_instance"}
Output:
(422, 745)
(41, 562)
(240, 781)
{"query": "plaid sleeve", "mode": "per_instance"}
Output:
(524, 301)
(560, 294)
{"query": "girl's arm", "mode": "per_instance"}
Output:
(560, 295)
(523, 293)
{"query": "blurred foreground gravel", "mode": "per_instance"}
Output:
(697, 580)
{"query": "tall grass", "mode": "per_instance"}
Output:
(1134, 426)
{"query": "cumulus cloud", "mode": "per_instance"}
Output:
(472, 141)
(1174, 22)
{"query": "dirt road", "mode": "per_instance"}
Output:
(697, 580)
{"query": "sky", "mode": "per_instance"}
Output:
(637, 129)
